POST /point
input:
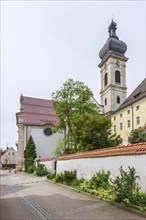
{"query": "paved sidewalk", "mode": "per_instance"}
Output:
(33, 198)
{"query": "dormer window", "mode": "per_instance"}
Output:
(137, 95)
(117, 77)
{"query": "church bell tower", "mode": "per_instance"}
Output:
(113, 71)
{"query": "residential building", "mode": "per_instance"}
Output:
(131, 114)
(8, 157)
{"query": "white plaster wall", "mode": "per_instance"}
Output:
(50, 165)
(45, 145)
(87, 167)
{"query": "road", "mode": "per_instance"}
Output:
(26, 197)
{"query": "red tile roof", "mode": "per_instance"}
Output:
(139, 148)
(37, 111)
(46, 159)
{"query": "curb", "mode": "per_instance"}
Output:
(103, 199)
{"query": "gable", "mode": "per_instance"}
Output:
(34, 111)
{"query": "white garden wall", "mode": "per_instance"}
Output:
(87, 167)
(50, 165)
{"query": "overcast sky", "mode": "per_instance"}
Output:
(44, 43)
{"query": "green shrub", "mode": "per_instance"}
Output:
(137, 200)
(50, 175)
(31, 169)
(67, 176)
(41, 170)
(137, 135)
(122, 189)
(125, 184)
(85, 186)
(35, 173)
(5, 168)
(100, 179)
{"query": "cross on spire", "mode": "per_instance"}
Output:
(112, 29)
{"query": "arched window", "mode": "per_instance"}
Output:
(118, 99)
(105, 79)
(105, 101)
(117, 77)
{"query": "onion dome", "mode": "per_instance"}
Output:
(113, 45)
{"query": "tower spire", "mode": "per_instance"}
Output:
(112, 29)
(113, 72)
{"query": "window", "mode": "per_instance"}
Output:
(9, 153)
(128, 124)
(121, 126)
(13, 153)
(138, 120)
(115, 128)
(105, 79)
(47, 131)
(121, 115)
(118, 99)
(128, 111)
(105, 101)
(137, 107)
(117, 77)
(114, 118)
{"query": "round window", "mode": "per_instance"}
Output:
(47, 131)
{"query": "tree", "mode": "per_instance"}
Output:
(92, 131)
(29, 153)
(137, 135)
(84, 129)
(59, 150)
(73, 97)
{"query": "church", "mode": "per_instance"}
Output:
(129, 113)
(37, 116)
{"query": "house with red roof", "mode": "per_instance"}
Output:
(36, 118)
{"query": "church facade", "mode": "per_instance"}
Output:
(36, 118)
